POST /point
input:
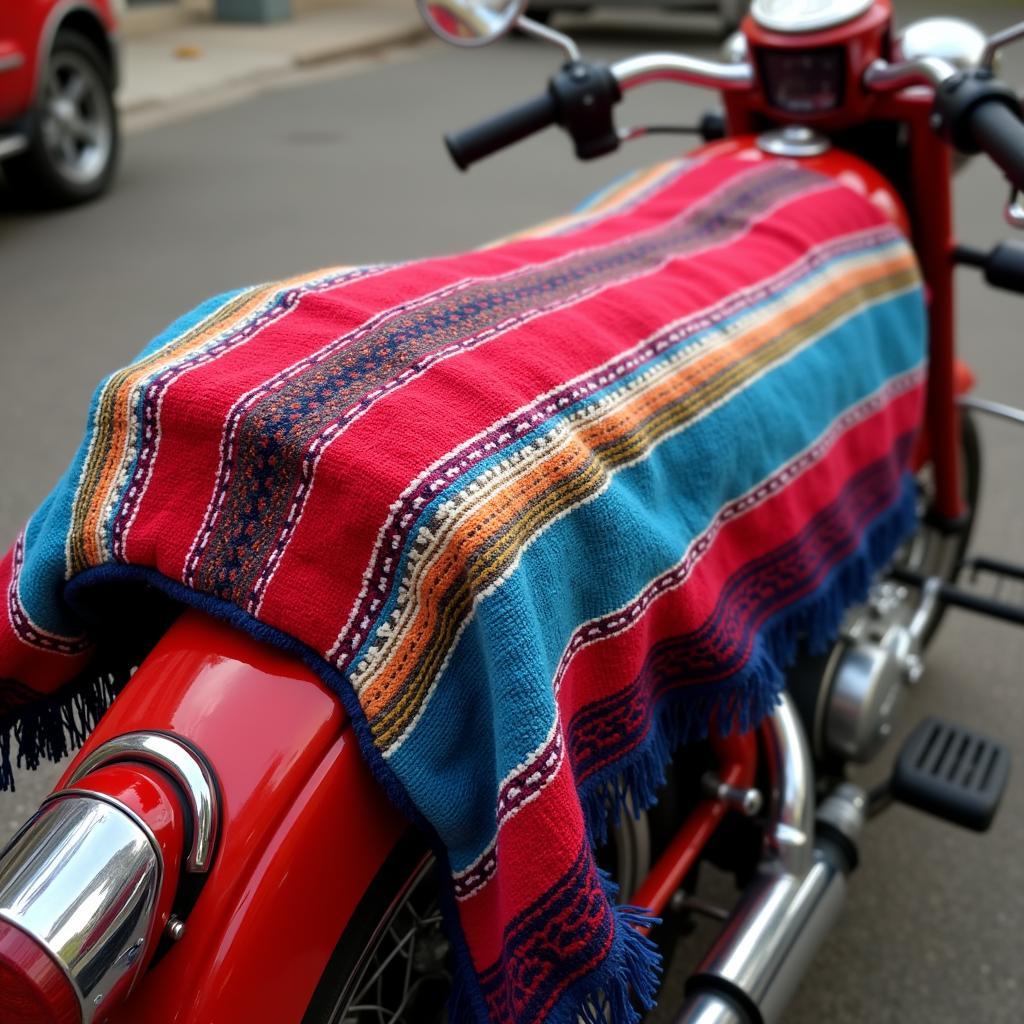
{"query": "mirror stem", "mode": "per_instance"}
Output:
(534, 28)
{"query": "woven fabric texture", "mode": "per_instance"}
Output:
(537, 513)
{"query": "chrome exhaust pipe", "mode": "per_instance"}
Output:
(764, 950)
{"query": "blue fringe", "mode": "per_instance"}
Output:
(52, 727)
(629, 974)
(632, 783)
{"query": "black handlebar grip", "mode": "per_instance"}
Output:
(466, 147)
(998, 131)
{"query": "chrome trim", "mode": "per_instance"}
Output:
(995, 43)
(736, 49)
(549, 35)
(106, 798)
(799, 16)
(1014, 211)
(12, 145)
(990, 408)
(655, 67)
(782, 916)
(482, 21)
(881, 76)
(709, 1008)
(11, 62)
(791, 771)
(795, 140)
(82, 879)
(774, 934)
(190, 772)
(955, 40)
(747, 801)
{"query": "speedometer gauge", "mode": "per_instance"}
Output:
(805, 15)
(804, 81)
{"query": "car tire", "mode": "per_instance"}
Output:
(74, 138)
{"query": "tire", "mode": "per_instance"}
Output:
(74, 138)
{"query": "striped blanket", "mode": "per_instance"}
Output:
(537, 513)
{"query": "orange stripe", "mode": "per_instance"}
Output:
(507, 504)
(117, 397)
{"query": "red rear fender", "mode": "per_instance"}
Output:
(304, 827)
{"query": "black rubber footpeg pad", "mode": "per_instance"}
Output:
(952, 773)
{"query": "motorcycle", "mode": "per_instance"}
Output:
(160, 881)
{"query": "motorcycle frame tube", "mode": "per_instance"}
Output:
(865, 39)
(737, 766)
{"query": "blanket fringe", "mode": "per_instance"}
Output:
(632, 784)
(625, 986)
(50, 728)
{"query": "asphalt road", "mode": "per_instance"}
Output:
(348, 168)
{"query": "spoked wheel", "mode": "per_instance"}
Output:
(73, 147)
(392, 966)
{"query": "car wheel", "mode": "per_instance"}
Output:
(74, 140)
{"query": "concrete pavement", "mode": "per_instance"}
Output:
(180, 66)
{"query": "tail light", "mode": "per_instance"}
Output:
(88, 886)
(33, 989)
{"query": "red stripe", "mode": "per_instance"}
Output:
(482, 386)
(604, 667)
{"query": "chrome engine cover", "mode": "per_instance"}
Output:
(863, 687)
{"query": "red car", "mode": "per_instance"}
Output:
(58, 121)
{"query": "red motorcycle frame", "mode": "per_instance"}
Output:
(296, 791)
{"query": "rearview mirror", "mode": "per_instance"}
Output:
(471, 22)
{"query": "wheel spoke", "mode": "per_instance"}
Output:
(399, 946)
(83, 130)
(75, 88)
(68, 149)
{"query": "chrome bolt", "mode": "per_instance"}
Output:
(914, 669)
(175, 928)
(747, 801)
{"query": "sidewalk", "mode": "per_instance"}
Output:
(190, 62)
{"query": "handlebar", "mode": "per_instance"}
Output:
(677, 67)
(974, 111)
(998, 131)
(513, 125)
(580, 98)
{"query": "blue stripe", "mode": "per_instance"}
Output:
(47, 532)
(428, 512)
(555, 588)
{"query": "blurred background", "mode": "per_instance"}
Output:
(307, 134)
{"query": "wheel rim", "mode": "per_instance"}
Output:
(77, 124)
(402, 976)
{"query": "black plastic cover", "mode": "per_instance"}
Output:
(952, 772)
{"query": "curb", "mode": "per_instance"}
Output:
(243, 82)
(342, 51)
